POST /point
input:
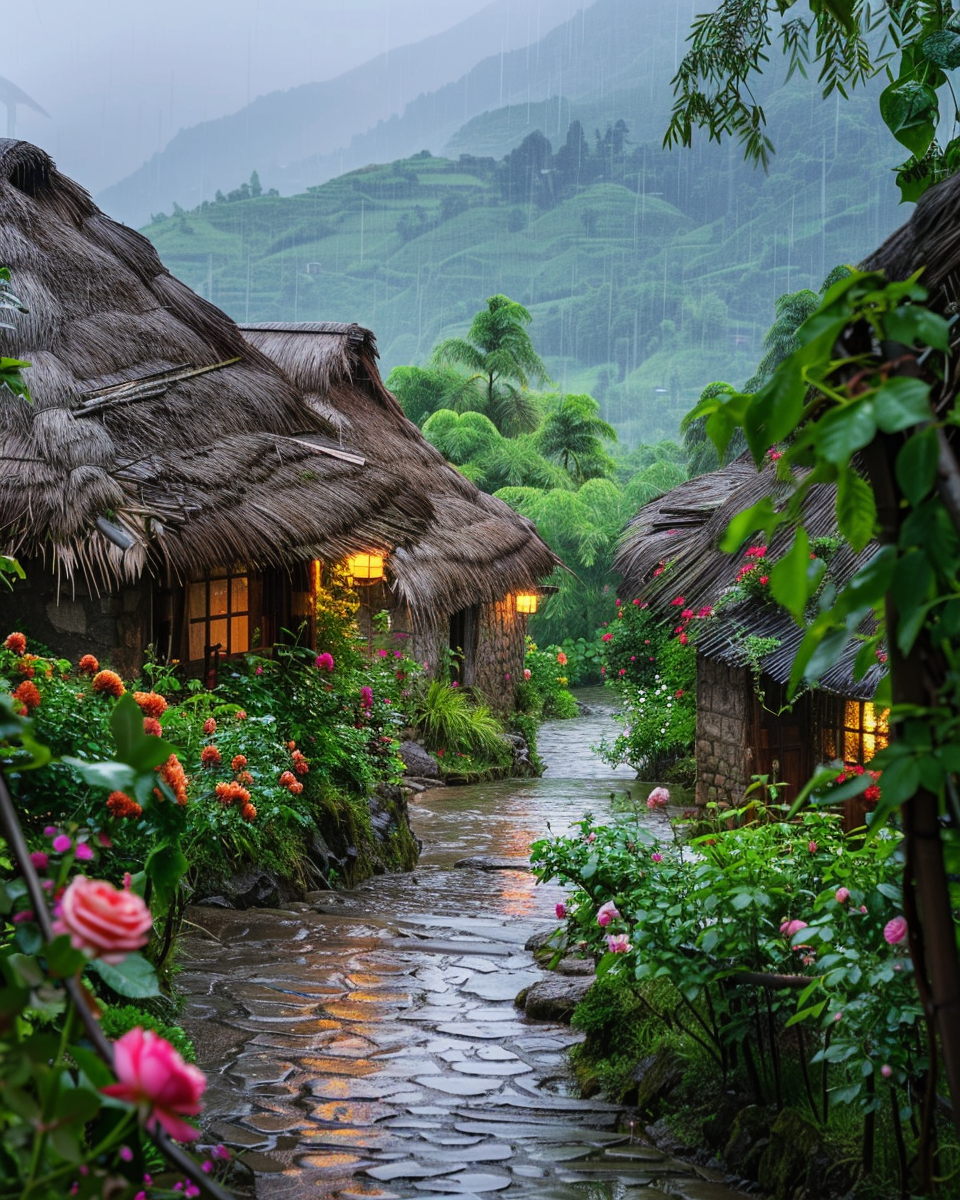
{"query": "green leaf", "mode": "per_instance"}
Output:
(856, 509)
(910, 112)
(114, 776)
(134, 747)
(134, 977)
(900, 403)
(62, 960)
(761, 515)
(776, 410)
(791, 581)
(900, 781)
(914, 323)
(166, 866)
(843, 431)
(942, 48)
(916, 466)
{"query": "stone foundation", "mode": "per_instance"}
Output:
(724, 713)
(501, 644)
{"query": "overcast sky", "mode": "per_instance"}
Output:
(120, 77)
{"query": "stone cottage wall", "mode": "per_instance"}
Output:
(71, 620)
(724, 714)
(500, 651)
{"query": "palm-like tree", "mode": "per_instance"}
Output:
(573, 435)
(500, 358)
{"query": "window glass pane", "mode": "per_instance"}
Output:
(239, 640)
(198, 637)
(218, 633)
(851, 746)
(198, 600)
(218, 596)
(238, 594)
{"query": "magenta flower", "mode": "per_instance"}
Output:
(561, 911)
(591, 837)
(790, 929)
(656, 857)
(618, 943)
(886, 1070)
(896, 930)
(607, 913)
(366, 697)
(842, 895)
(49, 831)
(84, 852)
(325, 662)
(62, 844)
(259, 671)
(39, 860)
(812, 847)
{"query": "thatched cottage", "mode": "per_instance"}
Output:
(745, 652)
(455, 587)
(166, 483)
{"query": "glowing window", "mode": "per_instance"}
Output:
(218, 613)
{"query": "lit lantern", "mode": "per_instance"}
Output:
(366, 567)
(527, 602)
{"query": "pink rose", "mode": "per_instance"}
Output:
(896, 930)
(617, 943)
(561, 911)
(102, 921)
(526, 672)
(155, 1079)
(842, 895)
(812, 847)
(591, 837)
(607, 913)
(658, 798)
(790, 929)
(656, 857)
(886, 1070)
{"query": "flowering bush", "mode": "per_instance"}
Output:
(543, 690)
(790, 912)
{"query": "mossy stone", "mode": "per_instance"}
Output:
(748, 1140)
(795, 1145)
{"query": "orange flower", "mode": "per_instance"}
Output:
(210, 756)
(287, 778)
(244, 777)
(152, 726)
(301, 766)
(108, 682)
(27, 694)
(88, 665)
(562, 659)
(239, 762)
(25, 665)
(16, 642)
(296, 787)
(152, 704)
(291, 745)
(227, 793)
(240, 715)
(209, 726)
(120, 805)
(248, 812)
(174, 776)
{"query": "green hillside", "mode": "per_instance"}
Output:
(648, 273)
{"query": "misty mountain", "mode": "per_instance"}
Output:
(279, 131)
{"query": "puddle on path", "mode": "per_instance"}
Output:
(368, 1047)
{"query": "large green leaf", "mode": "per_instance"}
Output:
(791, 580)
(900, 403)
(134, 977)
(910, 112)
(843, 431)
(166, 866)
(856, 509)
(942, 48)
(134, 747)
(916, 466)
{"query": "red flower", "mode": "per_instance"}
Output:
(249, 813)
(174, 776)
(240, 715)
(607, 637)
(872, 794)
(296, 787)
(227, 793)
(16, 642)
(88, 665)
(108, 682)
(683, 639)
(27, 694)
(210, 756)
(679, 602)
(120, 805)
(287, 778)
(764, 579)
(152, 704)
(678, 693)
(152, 726)
(238, 763)
(209, 726)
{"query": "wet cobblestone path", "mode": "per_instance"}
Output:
(368, 1046)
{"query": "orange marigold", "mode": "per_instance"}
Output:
(287, 778)
(25, 665)
(152, 726)
(108, 682)
(296, 787)
(227, 793)
(175, 777)
(248, 812)
(17, 642)
(120, 805)
(210, 756)
(244, 777)
(88, 665)
(27, 694)
(209, 726)
(152, 704)
(301, 766)
(241, 716)
(239, 762)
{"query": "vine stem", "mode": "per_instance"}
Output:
(13, 832)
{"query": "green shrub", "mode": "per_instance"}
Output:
(116, 1020)
(449, 721)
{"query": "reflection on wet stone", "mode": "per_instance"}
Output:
(366, 1047)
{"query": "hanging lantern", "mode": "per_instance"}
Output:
(366, 567)
(527, 602)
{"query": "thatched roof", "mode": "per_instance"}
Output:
(680, 532)
(476, 548)
(154, 424)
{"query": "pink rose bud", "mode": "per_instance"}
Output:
(790, 929)
(617, 943)
(842, 895)
(886, 1070)
(154, 1078)
(591, 837)
(561, 911)
(607, 913)
(896, 930)
(838, 1016)
(49, 831)
(62, 844)
(84, 853)
(657, 858)
(102, 921)
(812, 847)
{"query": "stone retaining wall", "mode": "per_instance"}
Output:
(724, 716)
(500, 652)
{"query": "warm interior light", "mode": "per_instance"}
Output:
(527, 602)
(366, 567)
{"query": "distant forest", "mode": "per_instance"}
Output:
(648, 273)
